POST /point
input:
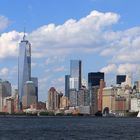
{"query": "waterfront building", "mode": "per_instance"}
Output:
(94, 78)
(64, 103)
(76, 73)
(135, 104)
(120, 105)
(93, 93)
(8, 105)
(53, 99)
(24, 66)
(5, 91)
(108, 100)
(100, 94)
(29, 96)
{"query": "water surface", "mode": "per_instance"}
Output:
(69, 128)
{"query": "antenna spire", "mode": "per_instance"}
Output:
(24, 35)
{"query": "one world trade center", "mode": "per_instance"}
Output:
(24, 66)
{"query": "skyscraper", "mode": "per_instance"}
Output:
(94, 78)
(24, 66)
(53, 99)
(67, 85)
(35, 81)
(5, 91)
(120, 79)
(29, 96)
(75, 73)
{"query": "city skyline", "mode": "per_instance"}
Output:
(101, 37)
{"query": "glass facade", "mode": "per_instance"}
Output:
(75, 72)
(120, 79)
(67, 85)
(94, 78)
(24, 66)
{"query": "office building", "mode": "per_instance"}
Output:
(73, 98)
(100, 94)
(83, 97)
(35, 81)
(94, 78)
(120, 79)
(108, 100)
(76, 74)
(29, 96)
(24, 66)
(67, 85)
(53, 99)
(93, 93)
(5, 91)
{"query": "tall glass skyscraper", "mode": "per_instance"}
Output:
(24, 66)
(94, 78)
(75, 74)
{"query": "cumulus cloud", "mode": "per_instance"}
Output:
(74, 36)
(82, 35)
(111, 68)
(8, 44)
(121, 68)
(127, 68)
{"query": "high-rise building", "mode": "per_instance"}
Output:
(120, 79)
(94, 78)
(93, 93)
(24, 66)
(75, 73)
(29, 96)
(108, 104)
(83, 97)
(73, 98)
(67, 85)
(35, 81)
(100, 95)
(54, 99)
(5, 91)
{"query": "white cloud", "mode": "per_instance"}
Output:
(127, 68)
(124, 68)
(4, 71)
(111, 68)
(4, 22)
(8, 44)
(74, 36)
(84, 35)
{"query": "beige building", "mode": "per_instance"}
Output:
(53, 99)
(64, 102)
(29, 95)
(108, 100)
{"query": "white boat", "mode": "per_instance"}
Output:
(138, 114)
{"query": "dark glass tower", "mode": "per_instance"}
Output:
(75, 73)
(67, 85)
(24, 66)
(120, 79)
(94, 78)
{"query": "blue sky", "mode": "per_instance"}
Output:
(104, 34)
